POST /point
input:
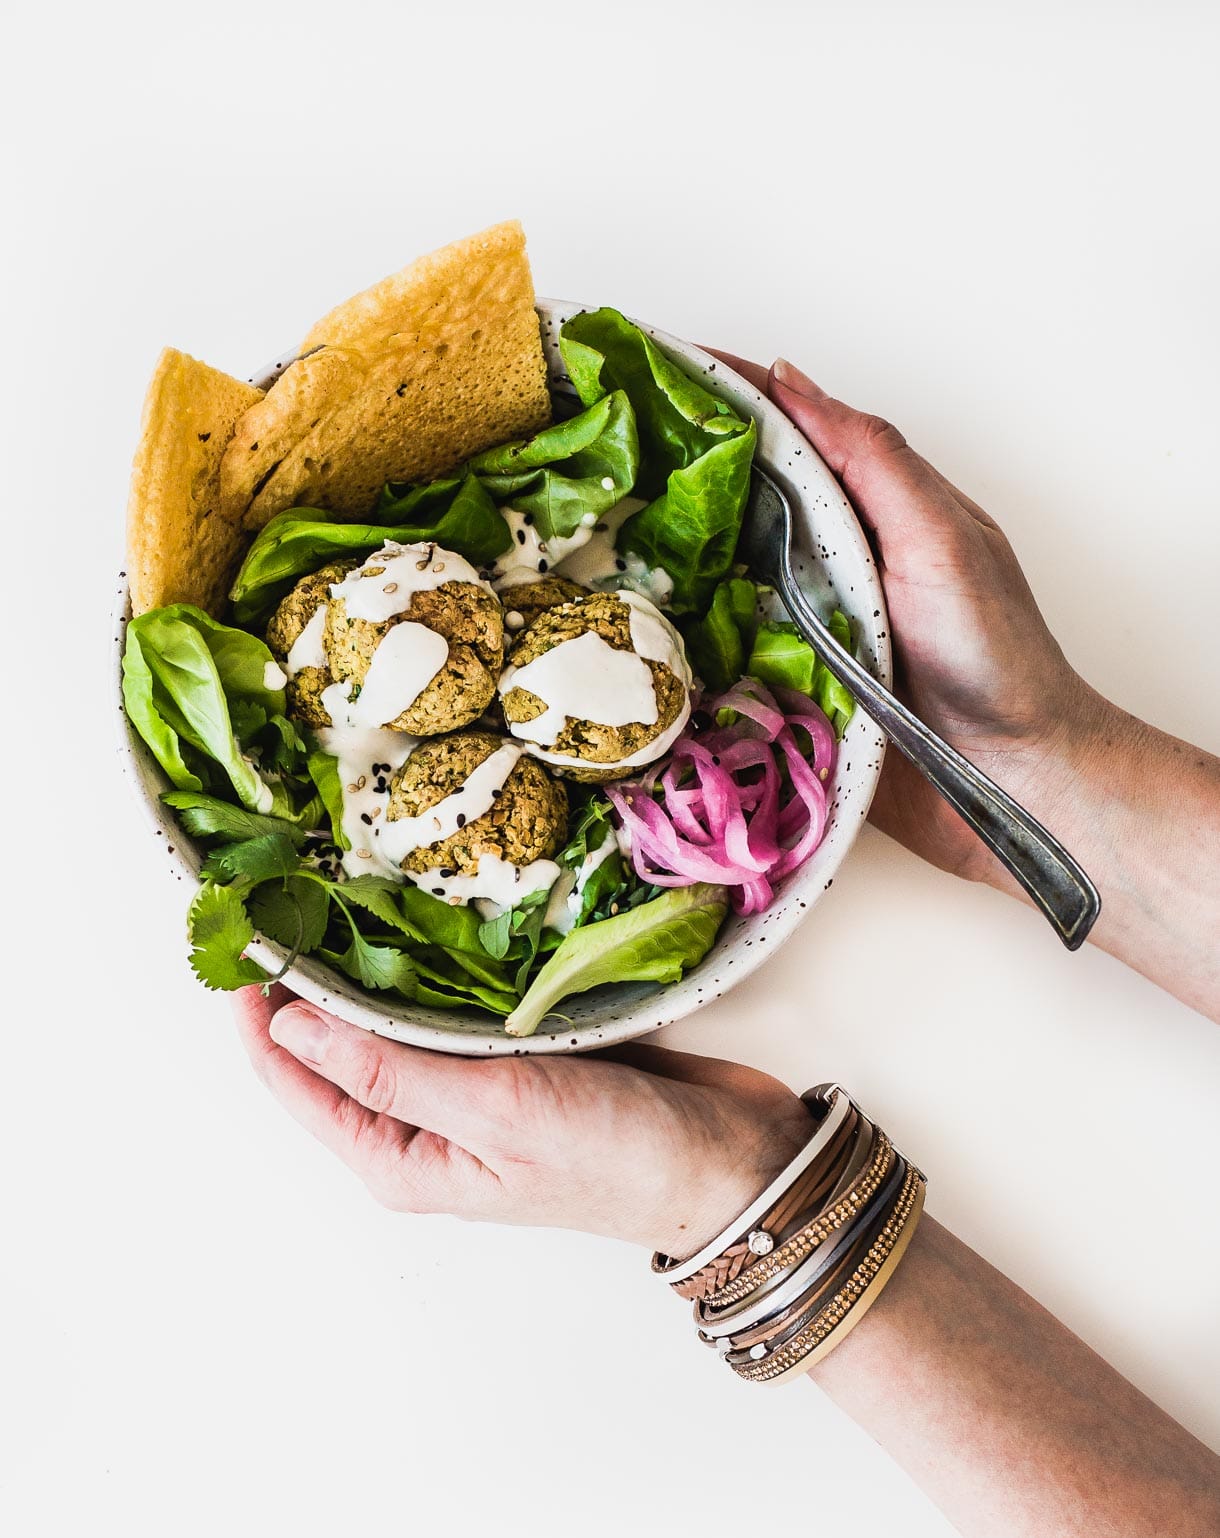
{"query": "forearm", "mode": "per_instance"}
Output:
(1011, 1424)
(1141, 811)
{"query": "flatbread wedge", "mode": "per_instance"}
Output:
(181, 548)
(402, 382)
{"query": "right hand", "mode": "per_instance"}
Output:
(974, 657)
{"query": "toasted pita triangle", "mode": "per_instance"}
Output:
(181, 547)
(403, 382)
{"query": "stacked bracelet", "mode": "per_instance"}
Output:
(799, 1269)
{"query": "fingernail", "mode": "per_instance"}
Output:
(792, 378)
(301, 1031)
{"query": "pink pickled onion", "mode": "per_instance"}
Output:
(721, 811)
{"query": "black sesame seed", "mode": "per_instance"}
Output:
(438, 891)
(448, 871)
(365, 818)
(528, 520)
(461, 819)
(495, 795)
(621, 565)
(520, 536)
(457, 790)
(541, 565)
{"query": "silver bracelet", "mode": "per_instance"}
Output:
(760, 1308)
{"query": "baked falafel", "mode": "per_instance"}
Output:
(295, 640)
(611, 654)
(517, 814)
(441, 672)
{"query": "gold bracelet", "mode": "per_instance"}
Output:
(834, 1322)
(807, 1239)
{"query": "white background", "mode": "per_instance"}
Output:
(996, 225)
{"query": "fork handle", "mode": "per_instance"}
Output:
(1053, 879)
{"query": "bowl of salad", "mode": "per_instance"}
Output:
(523, 760)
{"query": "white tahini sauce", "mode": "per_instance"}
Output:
(307, 651)
(407, 659)
(588, 679)
(274, 676)
(495, 881)
(530, 557)
(378, 595)
(585, 678)
(368, 760)
(476, 795)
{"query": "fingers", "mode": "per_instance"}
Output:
(758, 376)
(450, 1096)
(359, 1137)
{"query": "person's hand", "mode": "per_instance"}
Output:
(657, 1147)
(974, 657)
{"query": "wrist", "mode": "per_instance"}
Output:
(707, 1195)
(1066, 775)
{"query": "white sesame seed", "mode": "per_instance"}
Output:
(607, 483)
(364, 854)
(390, 587)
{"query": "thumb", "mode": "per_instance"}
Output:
(900, 498)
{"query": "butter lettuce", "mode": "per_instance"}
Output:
(781, 655)
(717, 644)
(197, 693)
(457, 513)
(695, 453)
(569, 470)
(656, 942)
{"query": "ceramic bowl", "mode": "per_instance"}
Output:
(834, 565)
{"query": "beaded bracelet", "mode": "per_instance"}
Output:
(803, 1264)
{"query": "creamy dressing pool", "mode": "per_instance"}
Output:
(368, 760)
(496, 881)
(379, 595)
(585, 678)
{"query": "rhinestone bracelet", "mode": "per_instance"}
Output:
(744, 1237)
(846, 1309)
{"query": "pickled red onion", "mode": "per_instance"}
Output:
(720, 809)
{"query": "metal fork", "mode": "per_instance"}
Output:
(1040, 863)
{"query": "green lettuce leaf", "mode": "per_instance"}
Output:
(780, 655)
(717, 643)
(560, 475)
(677, 419)
(187, 681)
(456, 513)
(655, 942)
(695, 453)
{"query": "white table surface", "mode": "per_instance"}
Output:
(997, 226)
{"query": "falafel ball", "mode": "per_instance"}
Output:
(308, 671)
(460, 609)
(530, 599)
(585, 749)
(526, 820)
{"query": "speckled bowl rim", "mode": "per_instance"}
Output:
(829, 537)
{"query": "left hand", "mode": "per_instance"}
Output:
(660, 1148)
